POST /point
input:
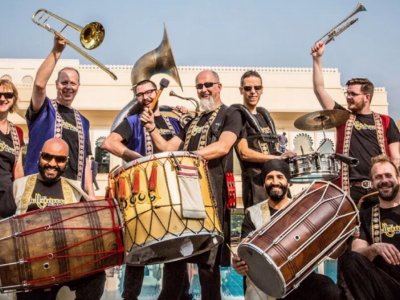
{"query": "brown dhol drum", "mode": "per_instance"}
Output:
(285, 250)
(59, 244)
(168, 207)
(309, 167)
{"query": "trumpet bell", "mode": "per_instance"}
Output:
(159, 60)
(92, 35)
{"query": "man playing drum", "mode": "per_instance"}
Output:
(130, 141)
(364, 135)
(372, 269)
(276, 176)
(211, 135)
(258, 139)
(48, 188)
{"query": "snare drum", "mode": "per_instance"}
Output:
(316, 166)
(59, 244)
(285, 250)
(168, 207)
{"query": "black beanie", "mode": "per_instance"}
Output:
(276, 165)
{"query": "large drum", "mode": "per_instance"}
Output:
(309, 167)
(284, 251)
(59, 244)
(168, 207)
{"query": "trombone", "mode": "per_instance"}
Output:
(91, 35)
(342, 26)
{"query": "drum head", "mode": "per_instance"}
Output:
(263, 272)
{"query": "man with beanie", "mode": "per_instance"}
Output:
(276, 174)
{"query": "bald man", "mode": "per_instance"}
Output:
(49, 188)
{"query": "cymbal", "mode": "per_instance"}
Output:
(323, 119)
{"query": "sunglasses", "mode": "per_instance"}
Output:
(248, 88)
(7, 95)
(141, 95)
(199, 86)
(60, 159)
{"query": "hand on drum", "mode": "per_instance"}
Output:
(147, 118)
(288, 155)
(239, 265)
(389, 252)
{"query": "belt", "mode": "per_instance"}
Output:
(366, 184)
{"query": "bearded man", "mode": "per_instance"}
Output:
(372, 269)
(276, 174)
(48, 188)
(211, 134)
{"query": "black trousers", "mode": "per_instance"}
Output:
(133, 281)
(209, 275)
(86, 288)
(370, 280)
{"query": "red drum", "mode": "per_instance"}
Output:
(300, 236)
(168, 207)
(59, 244)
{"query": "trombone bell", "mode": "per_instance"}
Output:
(91, 36)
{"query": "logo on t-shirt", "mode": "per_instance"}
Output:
(390, 230)
(44, 201)
(5, 148)
(362, 126)
(69, 126)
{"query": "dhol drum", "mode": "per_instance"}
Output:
(315, 166)
(168, 207)
(59, 244)
(300, 236)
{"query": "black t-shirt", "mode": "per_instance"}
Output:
(44, 195)
(248, 133)
(7, 160)
(232, 121)
(69, 134)
(364, 144)
(125, 130)
(390, 225)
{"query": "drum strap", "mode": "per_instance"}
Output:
(264, 138)
(15, 139)
(346, 145)
(376, 225)
(58, 134)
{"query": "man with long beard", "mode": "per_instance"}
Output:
(211, 135)
(48, 188)
(276, 174)
(372, 269)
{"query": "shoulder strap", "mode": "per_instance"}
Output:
(218, 124)
(267, 117)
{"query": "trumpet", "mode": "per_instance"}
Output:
(91, 35)
(342, 26)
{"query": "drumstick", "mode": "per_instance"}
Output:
(230, 249)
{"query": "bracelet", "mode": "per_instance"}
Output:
(154, 128)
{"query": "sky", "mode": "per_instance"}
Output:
(251, 33)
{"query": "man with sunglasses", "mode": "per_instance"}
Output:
(258, 139)
(45, 189)
(211, 134)
(130, 141)
(364, 135)
(47, 118)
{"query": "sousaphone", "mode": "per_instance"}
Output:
(159, 60)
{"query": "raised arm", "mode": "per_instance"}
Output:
(320, 92)
(44, 72)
